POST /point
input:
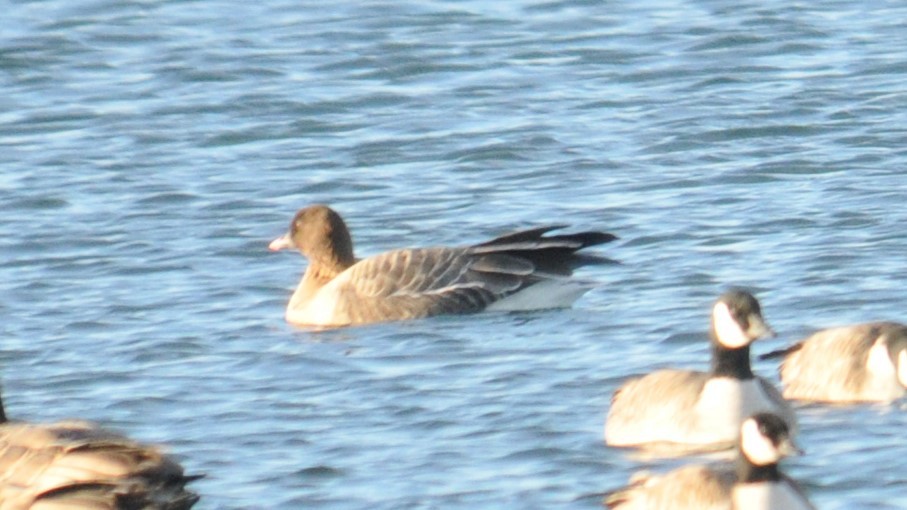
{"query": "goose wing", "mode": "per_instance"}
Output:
(411, 283)
(688, 488)
(415, 283)
(656, 408)
(78, 465)
(551, 254)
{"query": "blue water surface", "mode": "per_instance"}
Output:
(150, 150)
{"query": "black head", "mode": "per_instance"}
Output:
(765, 439)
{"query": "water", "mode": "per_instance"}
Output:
(150, 150)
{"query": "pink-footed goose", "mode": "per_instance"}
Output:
(524, 270)
(76, 465)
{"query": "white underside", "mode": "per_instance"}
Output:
(884, 381)
(768, 496)
(558, 293)
(723, 405)
(319, 311)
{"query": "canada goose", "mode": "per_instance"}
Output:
(678, 411)
(520, 271)
(77, 465)
(859, 363)
(755, 484)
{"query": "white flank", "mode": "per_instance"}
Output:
(559, 293)
(319, 311)
(885, 381)
(878, 362)
(902, 368)
(728, 331)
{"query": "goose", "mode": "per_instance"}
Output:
(857, 363)
(524, 270)
(79, 466)
(755, 483)
(682, 411)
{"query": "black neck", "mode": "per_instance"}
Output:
(2, 412)
(749, 473)
(731, 362)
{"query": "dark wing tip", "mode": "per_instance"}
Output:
(520, 236)
(593, 238)
(780, 353)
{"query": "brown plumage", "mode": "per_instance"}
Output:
(687, 488)
(76, 465)
(858, 363)
(338, 290)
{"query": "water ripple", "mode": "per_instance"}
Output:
(153, 149)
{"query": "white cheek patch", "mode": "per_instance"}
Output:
(902, 368)
(729, 332)
(757, 448)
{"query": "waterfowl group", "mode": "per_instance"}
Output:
(667, 411)
(683, 411)
(670, 411)
(686, 410)
(80, 466)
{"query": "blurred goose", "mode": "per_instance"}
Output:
(76, 465)
(859, 363)
(678, 411)
(755, 484)
(521, 271)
